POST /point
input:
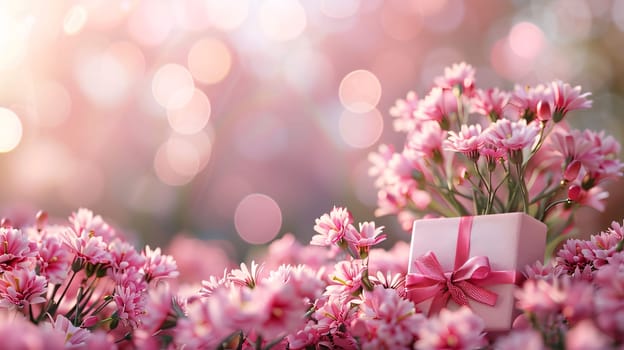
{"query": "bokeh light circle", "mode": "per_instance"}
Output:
(173, 86)
(282, 20)
(192, 117)
(227, 15)
(526, 40)
(360, 91)
(360, 130)
(10, 130)
(176, 162)
(75, 19)
(258, 218)
(209, 60)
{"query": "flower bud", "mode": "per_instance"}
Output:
(89, 322)
(543, 111)
(572, 170)
(41, 220)
(574, 192)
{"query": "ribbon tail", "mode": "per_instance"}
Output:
(439, 302)
(478, 294)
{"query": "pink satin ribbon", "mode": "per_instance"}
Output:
(465, 282)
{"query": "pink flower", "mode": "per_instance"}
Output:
(366, 237)
(54, 260)
(210, 285)
(525, 100)
(308, 335)
(279, 309)
(459, 75)
(130, 301)
(438, 106)
(389, 281)
(586, 336)
(74, 336)
(199, 330)
(21, 287)
(124, 255)
(334, 313)
(84, 220)
(521, 340)
(570, 146)
(158, 265)
(15, 250)
(389, 321)
(427, 142)
(19, 333)
(459, 329)
(566, 99)
(403, 111)
(86, 246)
(244, 276)
(332, 227)
(467, 141)
(490, 103)
(347, 278)
(540, 297)
(512, 136)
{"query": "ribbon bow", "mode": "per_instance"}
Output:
(465, 282)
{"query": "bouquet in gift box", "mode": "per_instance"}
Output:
(472, 151)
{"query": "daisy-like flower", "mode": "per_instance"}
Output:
(460, 329)
(74, 336)
(15, 249)
(158, 265)
(460, 76)
(130, 302)
(85, 220)
(512, 136)
(427, 142)
(347, 278)
(213, 282)
(438, 106)
(390, 281)
(490, 102)
(567, 98)
(87, 246)
(331, 228)
(524, 100)
(390, 322)
(246, 276)
(53, 260)
(366, 237)
(403, 111)
(21, 287)
(467, 141)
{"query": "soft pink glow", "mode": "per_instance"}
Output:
(176, 162)
(339, 9)
(282, 20)
(52, 104)
(227, 15)
(359, 91)
(151, 22)
(10, 130)
(75, 19)
(398, 23)
(38, 166)
(209, 60)
(526, 40)
(14, 33)
(173, 86)
(84, 186)
(110, 73)
(258, 218)
(361, 130)
(192, 117)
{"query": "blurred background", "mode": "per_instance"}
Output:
(236, 121)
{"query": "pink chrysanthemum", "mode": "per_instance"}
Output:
(524, 100)
(15, 249)
(158, 265)
(403, 111)
(367, 236)
(468, 141)
(490, 102)
(460, 329)
(85, 220)
(21, 287)
(54, 260)
(438, 106)
(460, 75)
(332, 227)
(244, 276)
(567, 98)
(427, 142)
(347, 278)
(512, 136)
